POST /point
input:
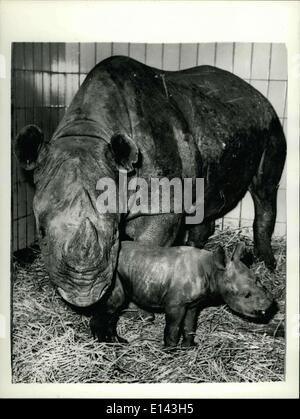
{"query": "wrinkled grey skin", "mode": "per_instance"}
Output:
(201, 122)
(179, 281)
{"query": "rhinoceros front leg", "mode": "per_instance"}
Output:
(103, 324)
(173, 328)
(190, 326)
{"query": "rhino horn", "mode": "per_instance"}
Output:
(83, 246)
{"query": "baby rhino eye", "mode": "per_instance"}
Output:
(248, 294)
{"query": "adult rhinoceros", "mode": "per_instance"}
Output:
(200, 122)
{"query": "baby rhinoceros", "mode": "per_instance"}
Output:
(179, 281)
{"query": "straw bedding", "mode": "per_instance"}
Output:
(52, 344)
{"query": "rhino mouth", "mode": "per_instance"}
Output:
(84, 298)
(261, 316)
(84, 288)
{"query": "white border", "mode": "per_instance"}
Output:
(108, 21)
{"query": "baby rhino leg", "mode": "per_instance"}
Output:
(174, 319)
(190, 326)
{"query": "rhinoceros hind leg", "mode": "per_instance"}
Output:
(263, 225)
(263, 190)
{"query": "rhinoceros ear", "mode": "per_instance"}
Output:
(125, 151)
(247, 258)
(239, 251)
(27, 146)
(220, 258)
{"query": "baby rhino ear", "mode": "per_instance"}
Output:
(220, 258)
(239, 251)
(243, 254)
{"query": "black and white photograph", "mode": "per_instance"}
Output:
(83, 111)
(149, 217)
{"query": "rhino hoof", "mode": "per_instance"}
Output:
(104, 335)
(98, 332)
(170, 348)
(117, 339)
(188, 344)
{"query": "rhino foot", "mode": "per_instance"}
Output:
(116, 339)
(188, 343)
(105, 333)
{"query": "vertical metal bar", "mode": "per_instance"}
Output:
(42, 104)
(43, 93)
(240, 213)
(65, 77)
(95, 53)
(162, 55)
(179, 56)
(251, 63)
(285, 101)
(57, 98)
(269, 70)
(197, 54)
(215, 54)
(43, 88)
(50, 82)
(233, 56)
(23, 183)
(33, 81)
(79, 66)
(145, 56)
(222, 223)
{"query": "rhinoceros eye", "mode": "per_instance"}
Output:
(248, 294)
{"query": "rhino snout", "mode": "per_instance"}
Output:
(84, 299)
(84, 276)
(267, 310)
(83, 248)
(259, 307)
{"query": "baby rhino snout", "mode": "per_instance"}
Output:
(255, 301)
(262, 302)
(267, 309)
(260, 313)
